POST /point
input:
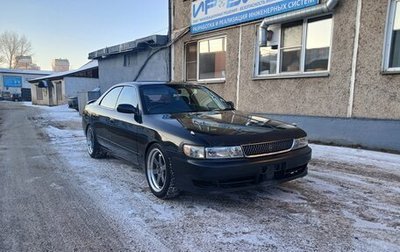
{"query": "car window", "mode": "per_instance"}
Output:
(204, 99)
(128, 96)
(110, 99)
(158, 99)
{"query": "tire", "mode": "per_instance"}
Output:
(93, 147)
(160, 174)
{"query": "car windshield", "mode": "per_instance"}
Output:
(170, 99)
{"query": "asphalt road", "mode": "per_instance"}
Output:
(41, 207)
(54, 197)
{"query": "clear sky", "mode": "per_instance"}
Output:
(73, 28)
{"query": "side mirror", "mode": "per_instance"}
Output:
(127, 109)
(231, 104)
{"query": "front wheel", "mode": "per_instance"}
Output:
(160, 174)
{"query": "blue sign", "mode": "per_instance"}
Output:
(12, 81)
(214, 14)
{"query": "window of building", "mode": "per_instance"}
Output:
(291, 44)
(130, 59)
(205, 59)
(392, 54)
(127, 60)
(319, 37)
(191, 61)
(296, 48)
(110, 100)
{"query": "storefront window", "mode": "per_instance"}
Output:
(205, 59)
(297, 47)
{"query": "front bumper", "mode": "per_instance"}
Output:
(197, 175)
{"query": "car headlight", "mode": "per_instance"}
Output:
(193, 151)
(224, 152)
(300, 143)
(212, 152)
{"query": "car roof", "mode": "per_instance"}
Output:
(146, 83)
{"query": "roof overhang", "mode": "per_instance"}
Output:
(138, 44)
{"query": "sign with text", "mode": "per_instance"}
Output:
(214, 14)
(12, 81)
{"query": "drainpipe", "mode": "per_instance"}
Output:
(354, 61)
(328, 6)
(170, 29)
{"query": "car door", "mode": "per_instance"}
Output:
(105, 118)
(126, 127)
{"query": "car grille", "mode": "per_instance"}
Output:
(266, 149)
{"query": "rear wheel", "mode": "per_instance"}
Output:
(93, 147)
(160, 174)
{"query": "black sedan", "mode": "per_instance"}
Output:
(187, 138)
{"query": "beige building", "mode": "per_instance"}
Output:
(25, 63)
(60, 65)
(331, 66)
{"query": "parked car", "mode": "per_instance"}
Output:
(73, 103)
(6, 95)
(187, 138)
(16, 97)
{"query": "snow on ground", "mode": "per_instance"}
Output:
(387, 161)
(349, 201)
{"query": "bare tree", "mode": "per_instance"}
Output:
(13, 45)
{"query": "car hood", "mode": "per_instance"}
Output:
(219, 128)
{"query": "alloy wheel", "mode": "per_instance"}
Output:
(90, 140)
(156, 170)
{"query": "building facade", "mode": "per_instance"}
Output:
(330, 66)
(60, 65)
(15, 83)
(55, 89)
(144, 59)
(25, 63)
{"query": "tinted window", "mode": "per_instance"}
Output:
(128, 96)
(110, 100)
(167, 99)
